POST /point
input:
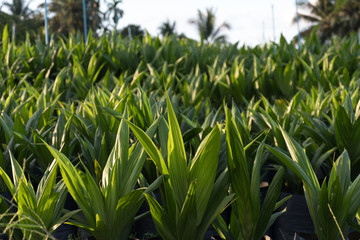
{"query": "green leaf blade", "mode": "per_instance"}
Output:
(176, 157)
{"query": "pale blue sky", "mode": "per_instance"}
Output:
(251, 21)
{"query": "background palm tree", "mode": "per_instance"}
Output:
(22, 19)
(167, 28)
(94, 18)
(319, 15)
(132, 31)
(330, 17)
(68, 16)
(205, 23)
(19, 8)
(347, 17)
(114, 12)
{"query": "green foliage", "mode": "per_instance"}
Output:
(39, 213)
(333, 204)
(192, 197)
(109, 207)
(72, 95)
(347, 129)
(249, 219)
(30, 27)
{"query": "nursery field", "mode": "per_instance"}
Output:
(171, 139)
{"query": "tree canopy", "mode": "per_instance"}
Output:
(206, 26)
(68, 16)
(330, 17)
(22, 18)
(168, 28)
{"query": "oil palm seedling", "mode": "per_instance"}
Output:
(334, 203)
(347, 127)
(109, 206)
(249, 219)
(38, 213)
(19, 120)
(316, 136)
(192, 196)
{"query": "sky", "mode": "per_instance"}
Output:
(251, 21)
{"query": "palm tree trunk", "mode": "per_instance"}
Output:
(13, 31)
